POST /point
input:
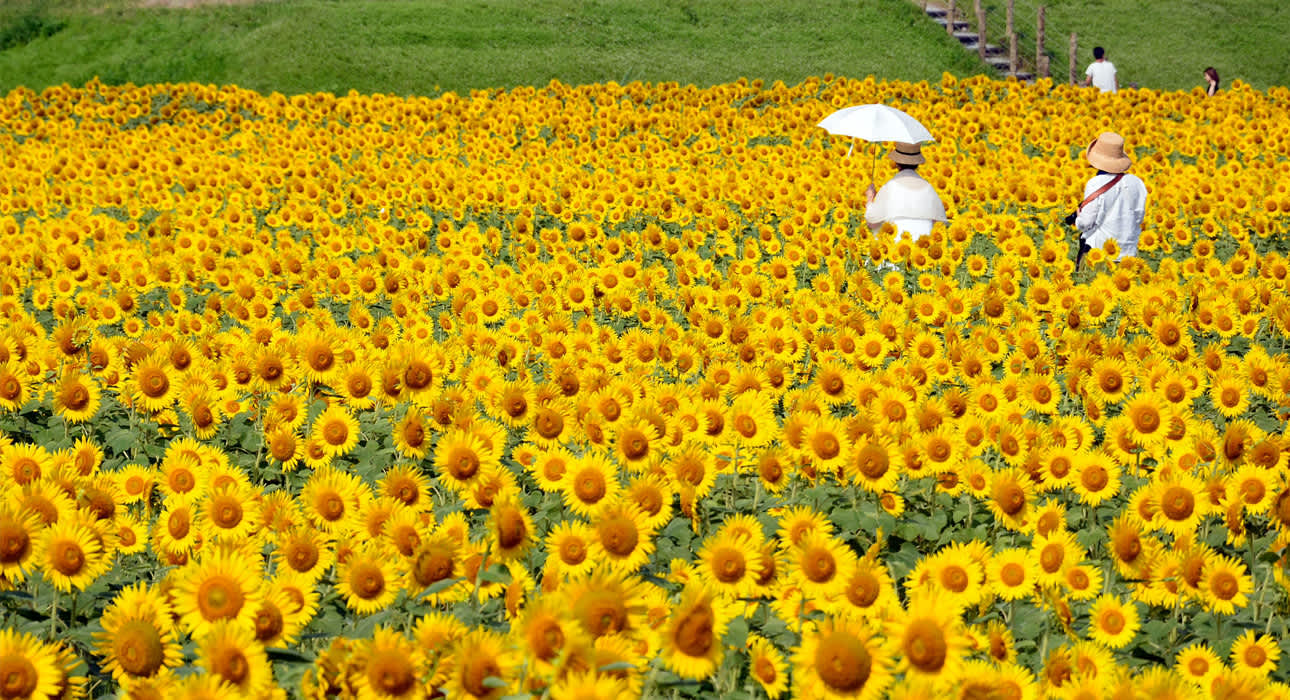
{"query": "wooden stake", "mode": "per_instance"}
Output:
(1012, 43)
(1074, 51)
(980, 29)
(1041, 54)
(949, 17)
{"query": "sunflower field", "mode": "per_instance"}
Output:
(608, 391)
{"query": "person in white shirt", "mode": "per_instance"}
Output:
(1101, 72)
(908, 201)
(1115, 201)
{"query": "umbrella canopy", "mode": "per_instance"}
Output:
(876, 123)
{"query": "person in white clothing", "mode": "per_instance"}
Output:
(1101, 72)
(908, 201)
(1115, 201)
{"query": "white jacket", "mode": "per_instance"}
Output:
(1116, 214)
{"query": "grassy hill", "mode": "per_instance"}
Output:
(425, 46)
(430, 46)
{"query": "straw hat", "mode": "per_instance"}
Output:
(1106, 153)
(907, 154)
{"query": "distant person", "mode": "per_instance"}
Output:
(1115, 202)
(1101, 72)
(1211, 77)
(908, 201)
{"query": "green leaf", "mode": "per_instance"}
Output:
(438, 587)
(737, 633)
(618, 666)
(494, 682)
(288, 655)
(120, 439)
(495, 574)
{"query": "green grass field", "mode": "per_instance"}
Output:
(422, 47)
(426, 47)
(1158, 44)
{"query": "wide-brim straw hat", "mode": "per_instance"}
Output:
(907, 154)
(1106, 153)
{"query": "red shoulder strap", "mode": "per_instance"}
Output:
(1101, 190)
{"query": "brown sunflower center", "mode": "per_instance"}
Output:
(634, 444)
(924, 645)
(548, 423)
(138, 648)
(367, 580)
(843, 662)
(618, 535)
(863, 588)
(693, 635)
(219, 597)
(728, 565)
(463, 463)
(590, 486)
(818, 565)
(545, 638)
(510, 528)
(15, 542)
(67, 557)
(269, 622)
(1177, 503)
(18, 677)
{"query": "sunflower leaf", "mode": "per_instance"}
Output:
(288, 655)
(737, 632)
(617, 666)
(495, 574)
(438, 587)
(494, 682)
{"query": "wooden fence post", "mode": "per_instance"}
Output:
(949, 17)
(1012, 43)
(980, 29)
(1074, 51)
(1041, 55)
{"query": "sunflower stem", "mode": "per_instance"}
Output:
(53, 615)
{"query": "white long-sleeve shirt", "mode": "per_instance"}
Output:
(1115, 214)
(909, 202)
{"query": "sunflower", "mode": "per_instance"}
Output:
(1082, 581)
(607, 602)
(20, 533)
(1112, 622)
(869, 591)
(25, 463)
(874, 464)
(316, 353)
(337, 429)
(693, 468)
(752, 420)
(1180, 501)
(569, 543)
(368, 579)
(479, 656)
(182, 474)
(406, 484)
(356, 381)
(590, 685)
(76, 398)
(589, 485)
(953, 571)
(544, 632)
(1224, 585)
(304, 550)
(15, 386)
(730, 563)
(841, 658)
(411, 435)
(692, 645)
(511, 527)
(1011, 499)
(138, 638)
(621, 538)
(230, 651)
(1109, 381)
(819, 564)
(460, 458)
(332, 500)
(1054, 553)
(70, 555)
(150, 384)
(653, 495)
(221, 585)
(767, 665)
(229, 514)
(1012, 573)
(284, 447)
(1230, 396)
(29, 667)
(391, 667)
(1199, 664)
(1255, 654)
(278, 618)
(1097, 478)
